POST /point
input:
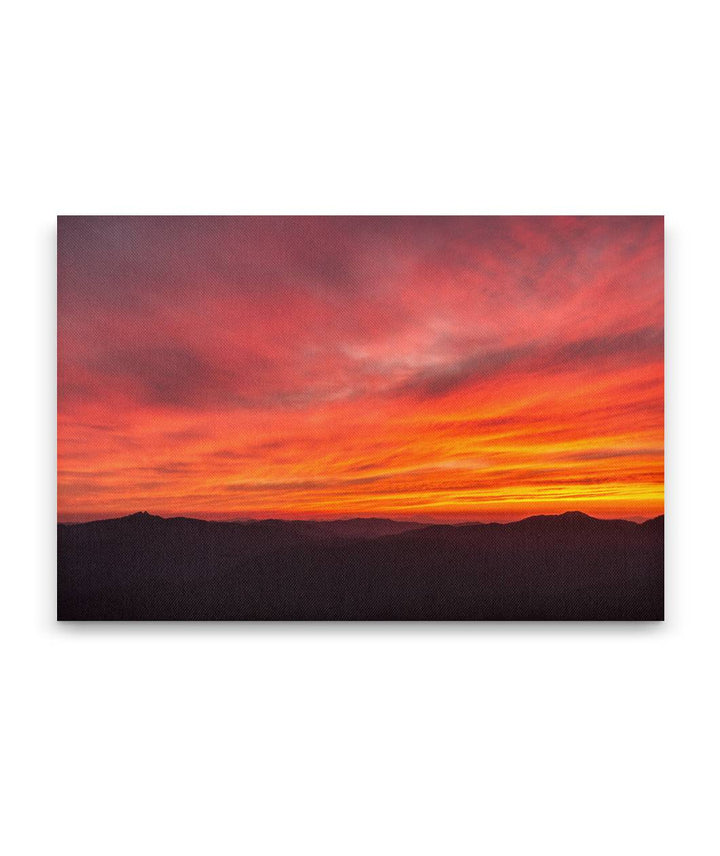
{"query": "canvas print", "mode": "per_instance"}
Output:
(360, 418)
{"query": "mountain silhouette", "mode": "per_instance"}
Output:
(556, 567)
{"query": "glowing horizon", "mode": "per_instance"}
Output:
(445, 368)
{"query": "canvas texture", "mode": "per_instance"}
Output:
(360, 418)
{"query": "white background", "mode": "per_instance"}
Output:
(221, 739)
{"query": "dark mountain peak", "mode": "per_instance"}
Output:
(570, 521)
(567, 517)
(138, 518)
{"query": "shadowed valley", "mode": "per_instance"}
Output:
(564, 567)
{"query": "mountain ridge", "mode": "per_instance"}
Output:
(565, 515)
(549, 567)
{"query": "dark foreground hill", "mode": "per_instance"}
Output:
(564, 567)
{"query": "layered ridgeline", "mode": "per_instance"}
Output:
(565, 567)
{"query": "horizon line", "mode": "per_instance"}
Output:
(244, 520)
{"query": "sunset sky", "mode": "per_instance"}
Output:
(436, 368)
